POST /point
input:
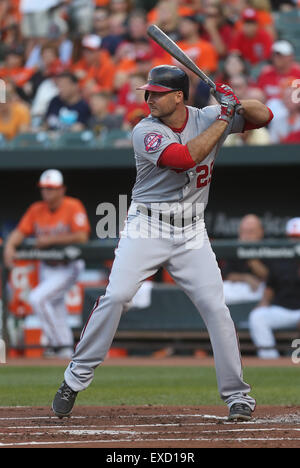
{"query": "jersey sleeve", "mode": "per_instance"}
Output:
(150, 143)
(26, 224)
(237, 124)
(79, 219)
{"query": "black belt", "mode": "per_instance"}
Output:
(170, 219)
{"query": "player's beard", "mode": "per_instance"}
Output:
(163, 113)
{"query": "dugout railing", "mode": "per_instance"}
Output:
(171, 319)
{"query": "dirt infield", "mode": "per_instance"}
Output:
(148, 427)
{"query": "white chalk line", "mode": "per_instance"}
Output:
(97, 431)
(127, 416)
(198, 439)
(112, 431)
(153, 416)
(80, 430)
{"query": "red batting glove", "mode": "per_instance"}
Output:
(225, 95)
(227, 112)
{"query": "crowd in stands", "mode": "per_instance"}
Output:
(74, 65)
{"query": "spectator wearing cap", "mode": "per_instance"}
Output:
(55, 220)
(283, 67)
(94, 64)
(253, 42)
(67, 111)
(280, 305)
(14, 115)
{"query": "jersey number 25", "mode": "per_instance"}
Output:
(205, 173)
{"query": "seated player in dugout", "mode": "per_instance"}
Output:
(55, 220)
(280, 304)
(244, 280)
(175, 148)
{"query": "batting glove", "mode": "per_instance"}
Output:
(225, 95)
(227, 112)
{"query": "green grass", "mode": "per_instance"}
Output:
(36, 386)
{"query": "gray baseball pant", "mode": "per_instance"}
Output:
(196, 271)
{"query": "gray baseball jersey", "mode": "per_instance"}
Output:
(151, 137)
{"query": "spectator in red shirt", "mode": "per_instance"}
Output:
(253, 42)
(282, 68)
(131, 101)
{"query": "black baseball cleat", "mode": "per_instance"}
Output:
(240, 412)
(64, 401)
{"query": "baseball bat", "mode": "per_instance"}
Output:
(169, 46)
(172, 48)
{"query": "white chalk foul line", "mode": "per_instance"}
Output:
(113, 431)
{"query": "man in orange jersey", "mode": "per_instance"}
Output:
(56, 220)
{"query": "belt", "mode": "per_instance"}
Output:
(171, 219)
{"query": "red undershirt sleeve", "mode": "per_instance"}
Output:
(176, 156)
(251, 126)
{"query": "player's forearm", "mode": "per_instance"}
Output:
(200, 146)
(258, 268)
(255, 112)
(14, 239)
(62, 239)
(267, 297)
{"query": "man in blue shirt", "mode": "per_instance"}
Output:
(67, 111)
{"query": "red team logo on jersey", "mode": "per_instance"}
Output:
(152, 141)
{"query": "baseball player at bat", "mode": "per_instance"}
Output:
(175, 149)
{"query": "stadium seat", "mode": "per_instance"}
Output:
(115, 138)
(29, 140)
(76, 139)
(287, 24)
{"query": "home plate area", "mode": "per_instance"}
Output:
(148, 427)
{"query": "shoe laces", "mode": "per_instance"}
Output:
(240, 406)
(66, 392)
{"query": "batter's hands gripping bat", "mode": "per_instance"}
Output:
(169, 46)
